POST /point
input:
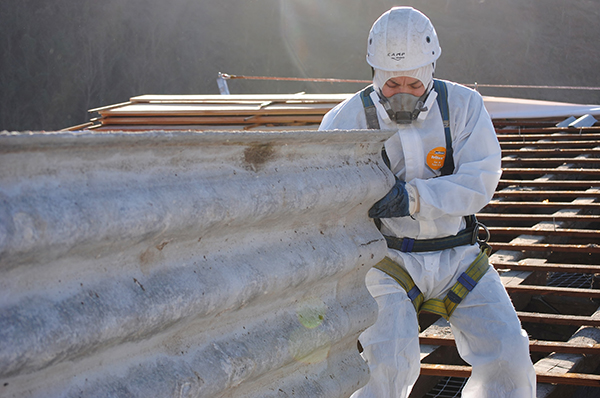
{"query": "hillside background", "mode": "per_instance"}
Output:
(60, 58)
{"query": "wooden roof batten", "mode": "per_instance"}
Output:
(523, 264)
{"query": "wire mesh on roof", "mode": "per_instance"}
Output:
(579, 281)
(448, 387)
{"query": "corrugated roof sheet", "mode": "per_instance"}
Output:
(544, 219)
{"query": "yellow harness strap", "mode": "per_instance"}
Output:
(465, 283)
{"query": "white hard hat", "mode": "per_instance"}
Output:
(402, 39)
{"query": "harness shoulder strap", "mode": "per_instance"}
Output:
(370, 110)
(442, 100)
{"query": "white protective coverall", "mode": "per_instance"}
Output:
(486, 328)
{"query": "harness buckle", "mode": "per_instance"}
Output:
(475, 233)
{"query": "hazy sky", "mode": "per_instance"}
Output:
(60, 58)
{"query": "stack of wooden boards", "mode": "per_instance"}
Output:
(216, 112)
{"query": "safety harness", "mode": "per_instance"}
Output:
(446, 306)
(466, 281)
(469, 236)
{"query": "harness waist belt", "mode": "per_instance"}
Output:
(467, 236)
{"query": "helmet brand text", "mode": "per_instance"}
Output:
(396, 56)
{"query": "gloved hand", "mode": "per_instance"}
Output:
(394, 204)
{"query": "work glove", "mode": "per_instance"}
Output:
(394, 204)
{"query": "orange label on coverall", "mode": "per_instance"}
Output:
(435, 158)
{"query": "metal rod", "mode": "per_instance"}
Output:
(547, 194)
(573, 233)
(531, 129)
(549, 135)
(548, 267)
(553, 183)
(532, 170)
(577, 379)
(518, 144)
(429, 369)
(563, 205)
(316, 79)
(534, 345)
(535, 86)
(557, 291)
(536, 217)
(545, 247)
(526, 124)
(551, 160)
(572, 320)
(555, 151)
(295, 79)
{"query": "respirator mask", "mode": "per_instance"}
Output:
(403, 108)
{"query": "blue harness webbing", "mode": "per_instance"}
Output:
(467, 236)
(370, 110)
(442, 100)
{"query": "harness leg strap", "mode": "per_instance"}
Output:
(444, 307)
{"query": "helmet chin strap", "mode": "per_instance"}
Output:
(403, 108)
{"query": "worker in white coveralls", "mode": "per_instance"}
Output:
(446, 159)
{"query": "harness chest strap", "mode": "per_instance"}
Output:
(446, 306)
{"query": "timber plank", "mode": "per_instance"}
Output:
(547, 267)
(534, 345)
(216, 120)
(577, 379)
(216, 109)
(554, 319)
(191, 98)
